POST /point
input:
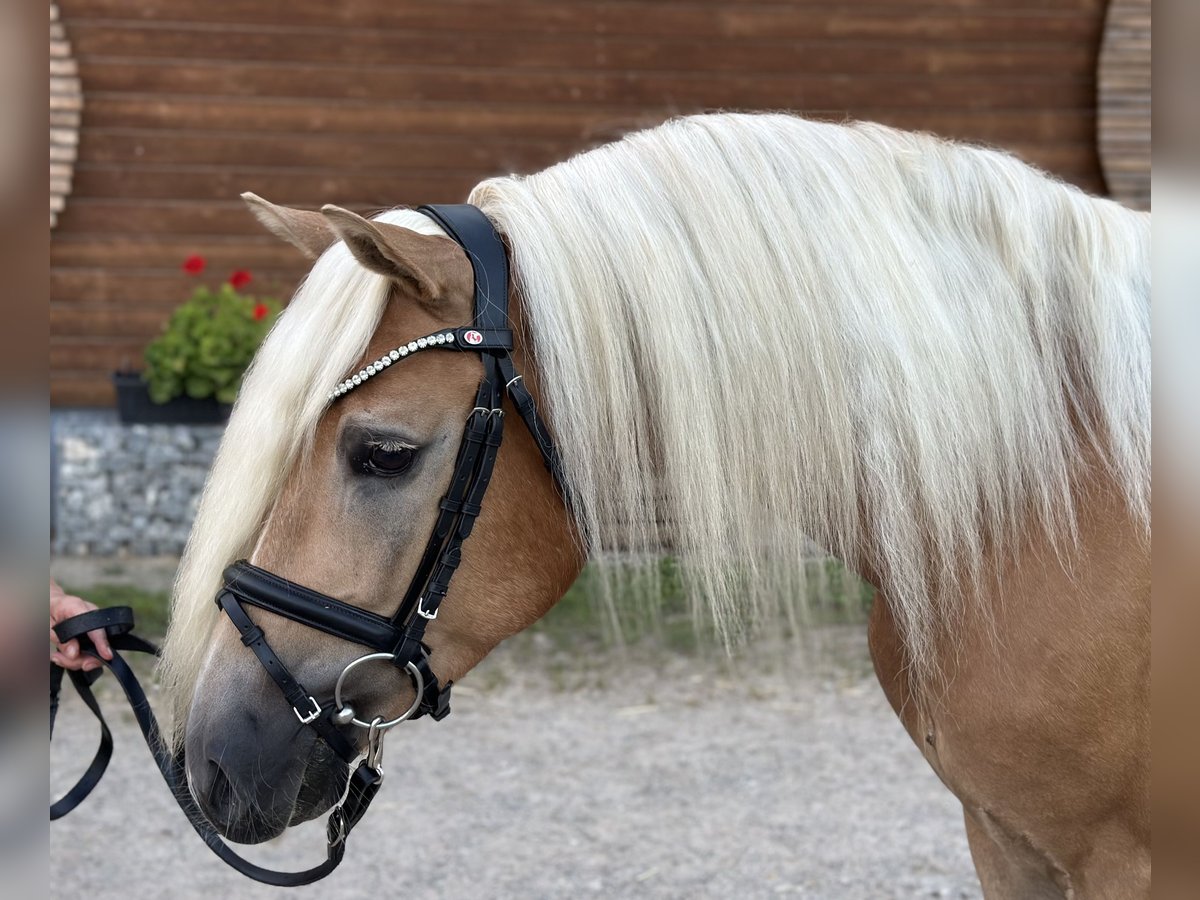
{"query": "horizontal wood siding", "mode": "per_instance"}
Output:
(370, 104)
(1124, 126)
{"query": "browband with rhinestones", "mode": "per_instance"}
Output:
(440, 338)
(480, 340)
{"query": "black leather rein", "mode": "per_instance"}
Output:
(398, 639)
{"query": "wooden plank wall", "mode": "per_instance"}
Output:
(1124, 101)
(372, 103)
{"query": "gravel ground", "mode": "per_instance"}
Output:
(595, 775)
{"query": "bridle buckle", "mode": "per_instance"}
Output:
(423, 613)
(307, 718)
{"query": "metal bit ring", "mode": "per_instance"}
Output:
(418, 685)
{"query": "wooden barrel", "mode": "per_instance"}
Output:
(1123, 104)
(66, 102)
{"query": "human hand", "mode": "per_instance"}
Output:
(68, 655)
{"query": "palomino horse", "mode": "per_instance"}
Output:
(929, 358)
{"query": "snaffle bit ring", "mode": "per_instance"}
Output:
(413, 672)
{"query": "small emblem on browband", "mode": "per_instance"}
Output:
(473, 337)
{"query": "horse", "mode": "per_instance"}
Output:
(746, 333)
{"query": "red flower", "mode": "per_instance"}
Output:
(193, 265)
(260, 310)
(239, 279)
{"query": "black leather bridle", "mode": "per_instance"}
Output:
(400, 638)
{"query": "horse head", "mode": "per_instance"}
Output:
(351, 519)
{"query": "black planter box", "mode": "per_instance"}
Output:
(135, 406)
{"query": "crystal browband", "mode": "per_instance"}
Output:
(475, 339)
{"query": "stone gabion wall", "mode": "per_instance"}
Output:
(126, 490)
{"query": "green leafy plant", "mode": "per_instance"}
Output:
(209, 340)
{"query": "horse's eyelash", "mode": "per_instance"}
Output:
(392, 446)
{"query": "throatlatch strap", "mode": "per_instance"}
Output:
(514, 387)
(364, 782)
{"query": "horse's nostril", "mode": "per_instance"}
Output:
(219, 797)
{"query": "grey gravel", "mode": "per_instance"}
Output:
(601, 775)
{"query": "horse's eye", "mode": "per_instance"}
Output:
(388, 460)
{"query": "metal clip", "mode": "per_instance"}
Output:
(337, 827)
(306, 718)
(421, 611)
(375, 747)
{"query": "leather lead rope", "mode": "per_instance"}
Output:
(117, 622)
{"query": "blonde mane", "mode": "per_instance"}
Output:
(754, 330)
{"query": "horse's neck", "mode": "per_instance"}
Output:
(1104, 564)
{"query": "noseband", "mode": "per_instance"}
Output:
(399, 640)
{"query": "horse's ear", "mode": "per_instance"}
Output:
(428, 266)
(308, 231)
